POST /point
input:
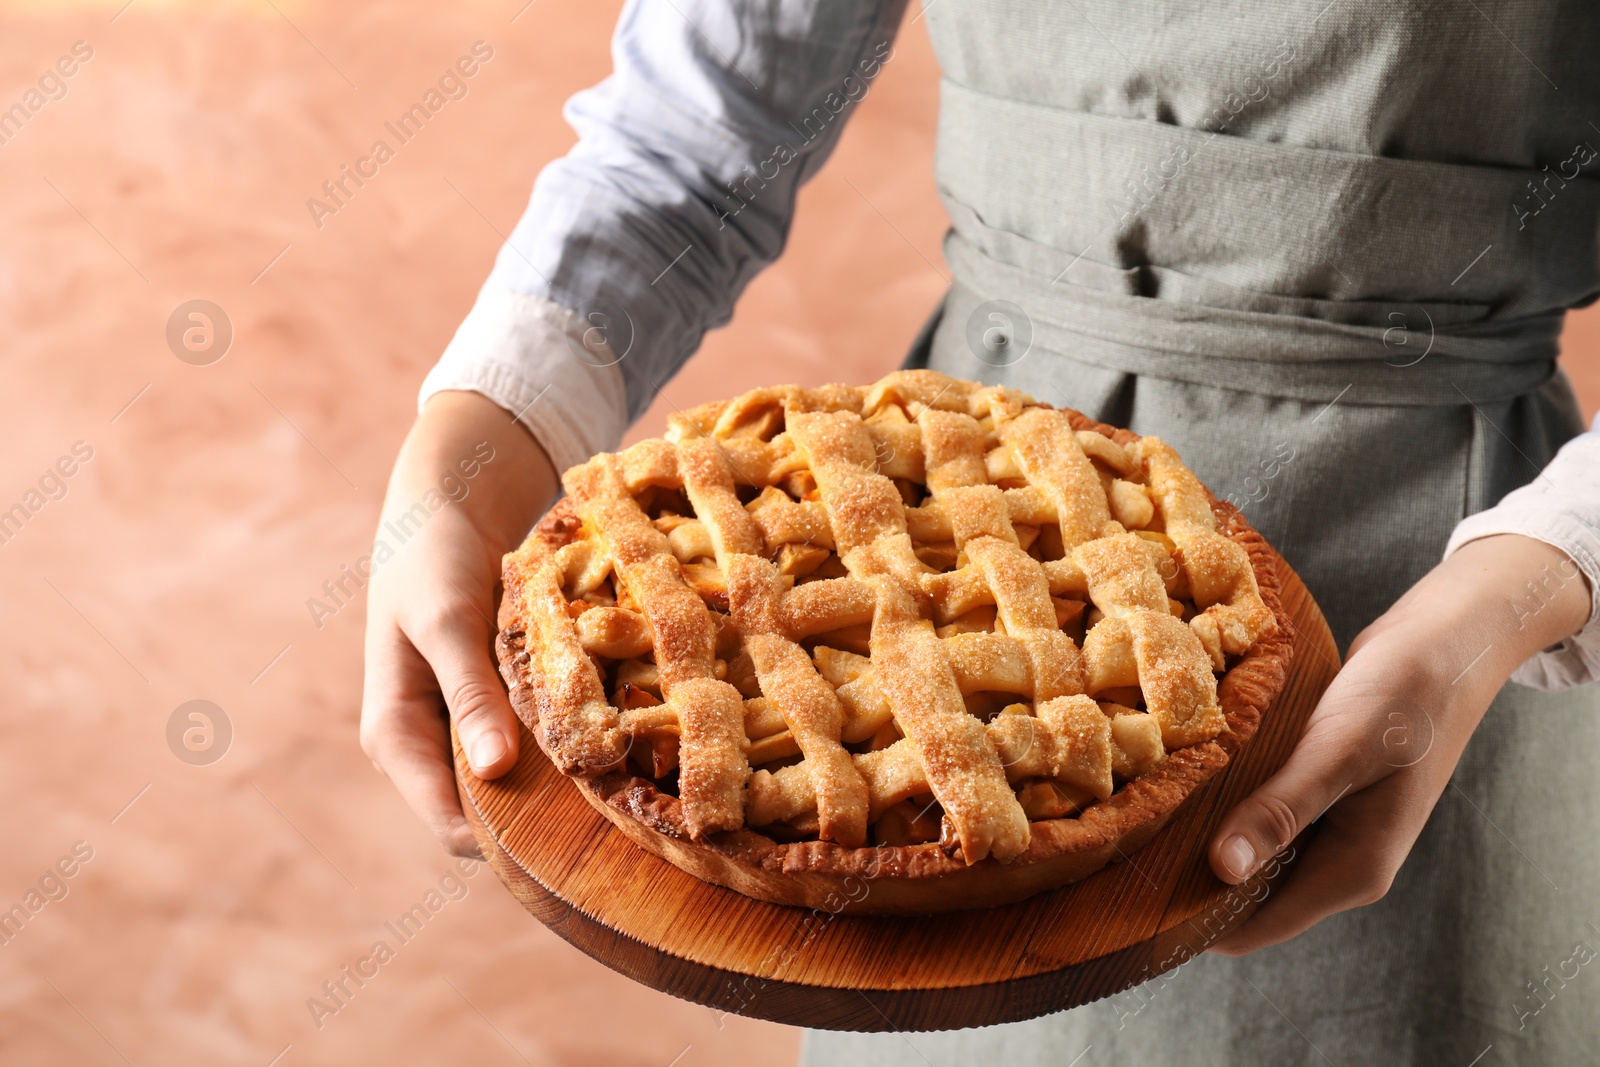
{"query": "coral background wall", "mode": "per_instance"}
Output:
(208, 902)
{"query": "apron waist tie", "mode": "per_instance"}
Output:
(1400, 355)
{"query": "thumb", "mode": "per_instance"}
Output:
(1323, 768)
(456, 645)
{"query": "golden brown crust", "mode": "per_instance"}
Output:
(914, 877)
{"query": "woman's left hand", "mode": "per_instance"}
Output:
(1380, 747)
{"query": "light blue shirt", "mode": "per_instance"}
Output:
(682, 185)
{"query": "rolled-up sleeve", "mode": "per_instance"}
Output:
(680, 189)
(1561, 508)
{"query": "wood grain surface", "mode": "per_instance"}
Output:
(656, 924)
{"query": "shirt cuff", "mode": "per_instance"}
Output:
(1575, 661)
(547, 367)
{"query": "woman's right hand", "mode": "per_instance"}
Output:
(430, 606)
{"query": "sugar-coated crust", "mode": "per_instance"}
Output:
(916, 879)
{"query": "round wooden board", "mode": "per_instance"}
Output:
(1136, 919)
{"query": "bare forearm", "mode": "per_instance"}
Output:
(1489, 607)
(509, 491)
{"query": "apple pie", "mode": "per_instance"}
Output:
(909, 647)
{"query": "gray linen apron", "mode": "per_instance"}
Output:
(1324, 250)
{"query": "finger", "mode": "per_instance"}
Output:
(403, 732)
(1350, 863)
(454, 639)
(1325, 766)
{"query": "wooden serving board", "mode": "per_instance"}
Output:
(1136, 919)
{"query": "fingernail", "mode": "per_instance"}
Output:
(1239, 857)
(461, 842)
(487, 750)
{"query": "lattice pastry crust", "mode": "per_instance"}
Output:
(926, 637)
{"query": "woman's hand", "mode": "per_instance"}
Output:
(1381, 746)
(467, 486)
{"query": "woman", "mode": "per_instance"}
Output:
(1325, 250)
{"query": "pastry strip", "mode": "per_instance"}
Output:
(808, 704)
(909, 666)
(1048, 452)
(713, 768)
(580, 729)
